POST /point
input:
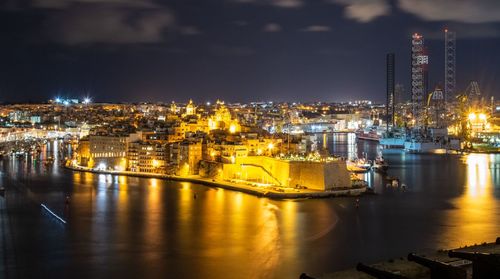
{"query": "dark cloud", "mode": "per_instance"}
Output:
(61, 4)
(477, 11)
(77, 22)
(364, 10)
(467, 11)
(105, 24)
(466, 31)
(272, 27)
(226, 50)
(276, 3)
(128, 50)
(189, 30)
(316, 28)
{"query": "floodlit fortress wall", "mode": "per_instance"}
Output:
(287, 173)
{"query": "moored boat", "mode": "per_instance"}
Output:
(424, 146)
(380, 165)
(358, 166)
(370, 134)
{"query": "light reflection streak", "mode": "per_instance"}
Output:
(474, 212)
(477, 174)
(153, 216)
(267, 241)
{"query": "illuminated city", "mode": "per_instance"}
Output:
(147, 139)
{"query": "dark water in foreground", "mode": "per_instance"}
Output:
(119, 227)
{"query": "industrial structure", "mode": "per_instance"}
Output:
(419, 79)
(390, 60)
(449, 65)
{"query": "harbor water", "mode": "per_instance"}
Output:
(125, 227)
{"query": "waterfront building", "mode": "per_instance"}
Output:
(110, 150)
(147, 157)
(314, 173)
(82, 153)
(185, 156)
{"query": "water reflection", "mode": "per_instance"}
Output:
(478, 175)
(132, 227)
(475, 212)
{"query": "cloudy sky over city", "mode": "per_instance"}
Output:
(238, 50)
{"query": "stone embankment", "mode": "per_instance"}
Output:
(269, 192)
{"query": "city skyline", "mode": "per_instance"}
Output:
(309, 139)
(237, 50)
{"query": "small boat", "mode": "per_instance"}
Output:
(370, 134)
(380, 165)
(358, 166)
(392, 181)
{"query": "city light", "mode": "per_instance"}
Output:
(472, 116)
(318, 157)
(232, 128)
(102, 166)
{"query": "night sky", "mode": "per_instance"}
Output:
(236, 50)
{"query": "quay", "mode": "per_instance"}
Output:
(475, 261)
(268, 192)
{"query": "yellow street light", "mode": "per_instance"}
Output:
(482, 116)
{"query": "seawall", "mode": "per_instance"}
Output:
(252, 190)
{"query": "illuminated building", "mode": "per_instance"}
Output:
(222, 119)
(190, 108)
(478, 122)
(147, 157)
(173, 108)
(110, 150)
(185, 156)
(83, 152)
(313, 174)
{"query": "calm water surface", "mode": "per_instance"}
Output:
(120, 227)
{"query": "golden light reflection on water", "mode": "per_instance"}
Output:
(153, 182)
(478, 175)
(153, 219)
(122, 191)
(289, 219)
(473, 217)
(267, 241)
(205, 225)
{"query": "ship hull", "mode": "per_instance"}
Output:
(424, 147)
(392, 142)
